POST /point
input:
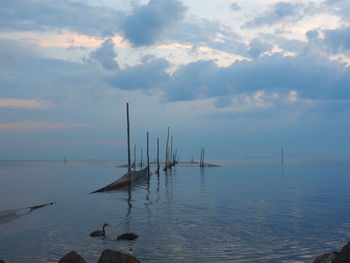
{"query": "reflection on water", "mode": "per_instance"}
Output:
(244, 211)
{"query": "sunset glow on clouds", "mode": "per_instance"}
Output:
(232, 63)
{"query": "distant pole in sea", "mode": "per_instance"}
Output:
(167, 151)
(148, 168)
(171, 151)
(282, 155)
(128, 134)
(203, 159)
(134, 157)
(158, 164)
(141, 164)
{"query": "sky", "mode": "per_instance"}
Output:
(240, 78)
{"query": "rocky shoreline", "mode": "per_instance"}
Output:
(343, 256)
(110, 256)
(107, 256)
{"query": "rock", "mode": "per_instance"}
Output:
(72, 257)
(325, 258)
(344, 255)
(110, 256)
(2, 261)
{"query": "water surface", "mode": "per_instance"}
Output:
(243, 211)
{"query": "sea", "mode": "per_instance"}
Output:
(245, 210)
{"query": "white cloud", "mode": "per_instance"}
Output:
(35, 127)
(31, 104)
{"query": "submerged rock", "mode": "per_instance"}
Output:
(325, 258)
(110, 256)
(344, 255)
(71, 257)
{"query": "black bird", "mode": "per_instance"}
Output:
(99, 233)
(128, 236)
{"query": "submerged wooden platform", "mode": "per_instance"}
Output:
(125, 180)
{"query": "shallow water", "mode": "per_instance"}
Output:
(243, 211)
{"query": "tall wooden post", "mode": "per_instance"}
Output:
(158, 164)
(167, 150)
(203, 159)
(128, 134)
(135, 156)
(141, 164)
(171, 151)
(282, 155)
(148, 168)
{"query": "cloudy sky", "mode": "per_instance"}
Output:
(241, 78)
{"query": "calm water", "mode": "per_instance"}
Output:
(243, 211)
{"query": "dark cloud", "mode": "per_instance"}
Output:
(312, 76)
(258, 47)
(234, 6)
(147, 23)
(150, 74)
(312, 35)
(338, 39)
(278, 12)
(46, 15)
(105, 55)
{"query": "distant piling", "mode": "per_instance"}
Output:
(158, 164)
(128, 135)
(201, 161)
(141, 164)
(148, 168)
(171, 152)
(134, 164)
(282, 157)
(167, 151)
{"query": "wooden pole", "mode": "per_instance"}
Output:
(171, 151)
(282, 155)
(148, 168)
(135, 156)
(128, 134)
(141, 158)
(167, 150)
(203, 159)
(158, 164)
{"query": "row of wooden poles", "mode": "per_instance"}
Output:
(171, 158)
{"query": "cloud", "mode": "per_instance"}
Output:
(234, 6)
(105, 55)
(338, 39)
(339, 7)
(204, 32)
(150, 74)
(35, 127)
(25, 104)
(257, 47)
(46, 15)
(147, 23)
(312, 76)
(278, 12)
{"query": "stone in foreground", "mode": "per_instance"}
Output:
(110, 256)
(72, 257)
(344, 255)
(325, 258)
